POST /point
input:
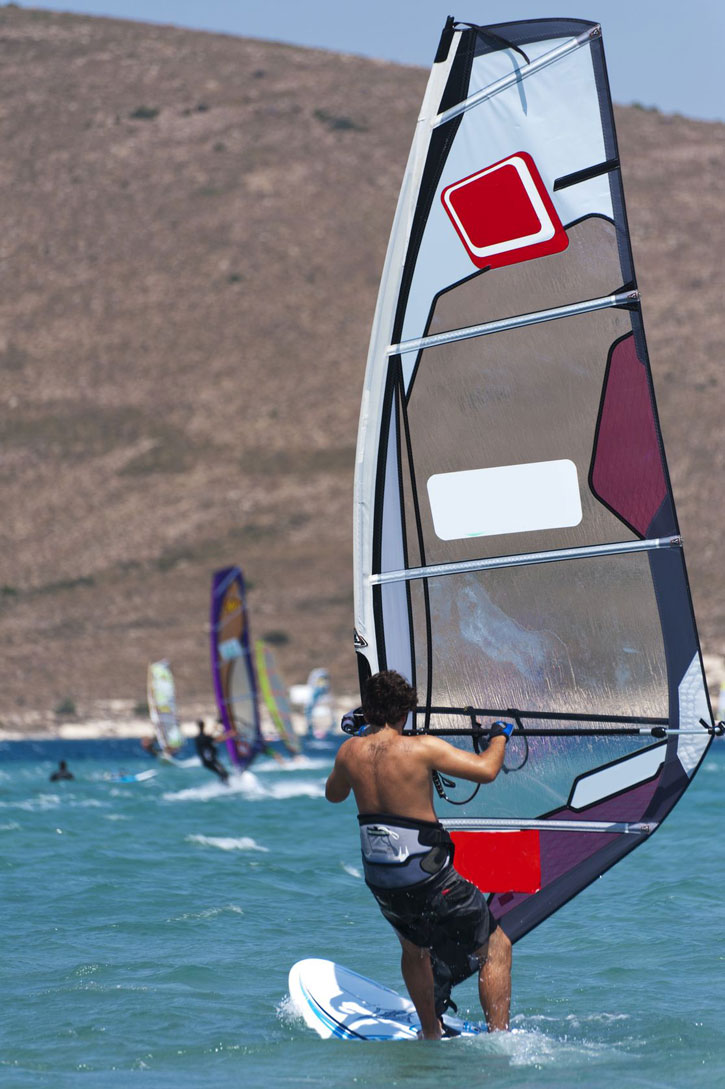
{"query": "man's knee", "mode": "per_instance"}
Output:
(411, 951)
(499, 945)
(497, 949)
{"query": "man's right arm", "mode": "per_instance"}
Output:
(476, 767)
(338, 785)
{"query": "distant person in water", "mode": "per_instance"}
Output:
(206, 749)
(61, 772)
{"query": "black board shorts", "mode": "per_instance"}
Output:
(446, 915)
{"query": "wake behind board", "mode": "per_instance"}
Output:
(337, 1002)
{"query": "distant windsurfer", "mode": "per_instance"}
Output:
(61, 772)
(443, 922)
(243, 747)
(151, 746)
(206, 749)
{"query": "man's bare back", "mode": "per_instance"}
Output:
(390, 772)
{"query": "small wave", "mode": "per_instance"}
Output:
(210, 791)
(288, 1013)
(34, 805)
(228, 843)
(533, 1047)
(352, 870)
(207, 913)
(572, 1020)
(307, 789)
(255, 790)
(596, 1018)
(292, 763)
(250, 787)
(11, 826)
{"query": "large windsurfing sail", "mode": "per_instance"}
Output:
(275, 696)
(162, 706)
(517, 553)
(232, 666)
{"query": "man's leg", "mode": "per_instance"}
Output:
(494, 982)
(418, 975)
(220, 770)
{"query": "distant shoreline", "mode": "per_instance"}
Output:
(93, 729)
(119, 722)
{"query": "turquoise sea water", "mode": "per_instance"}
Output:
(148, 929)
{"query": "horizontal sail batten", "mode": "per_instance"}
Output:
(482, 824)
(553, 716)
(606, 302)
(515, 77)
(438, 569)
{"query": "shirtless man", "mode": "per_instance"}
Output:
(407, 853)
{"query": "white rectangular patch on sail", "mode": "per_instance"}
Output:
(505, 499)
(618, 777)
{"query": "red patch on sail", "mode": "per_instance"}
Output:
(499, 861)
(503, 214)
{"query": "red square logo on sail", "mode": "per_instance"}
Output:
(504, 214)
(508, 861)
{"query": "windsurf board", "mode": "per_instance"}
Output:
(337, 1002)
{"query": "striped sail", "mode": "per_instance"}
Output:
(232, 665)
(161, 695)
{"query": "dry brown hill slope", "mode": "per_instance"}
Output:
(193, 227)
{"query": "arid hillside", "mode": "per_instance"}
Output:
(193, 228)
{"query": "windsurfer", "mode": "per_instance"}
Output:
(151, 746)
(443, 922)
(206, 750)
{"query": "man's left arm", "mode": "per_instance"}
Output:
(338, 786)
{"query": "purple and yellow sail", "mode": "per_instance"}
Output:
(232, 666)
(516, 549)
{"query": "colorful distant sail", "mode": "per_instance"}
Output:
(517, 553)
(274, 693)
(232, 665)
(162, 706)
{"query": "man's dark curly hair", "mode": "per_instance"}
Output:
(387, 697)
